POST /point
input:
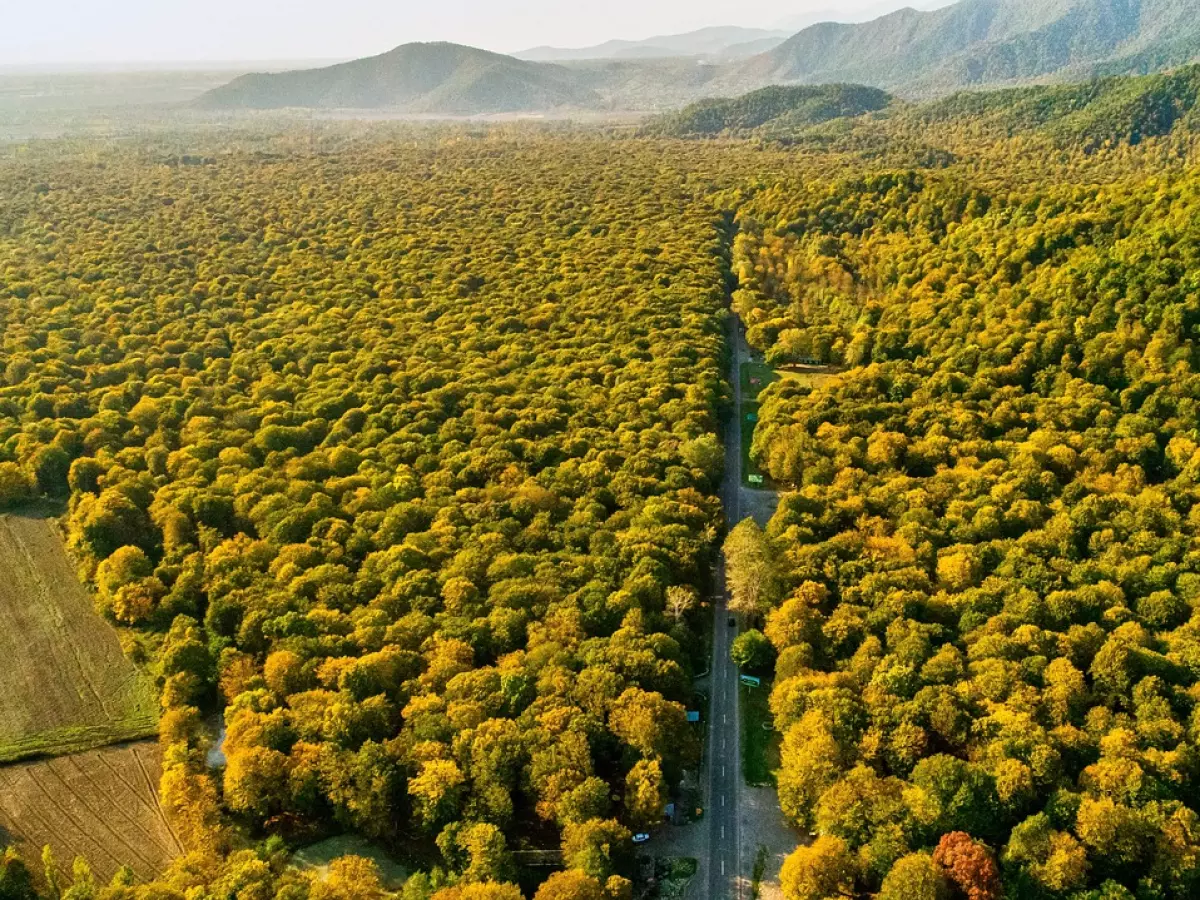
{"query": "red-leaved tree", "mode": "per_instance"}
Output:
(970, 865)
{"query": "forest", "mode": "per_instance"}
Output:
(393, 455)
(984, 583)
(397, 450)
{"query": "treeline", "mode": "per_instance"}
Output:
(988, 582)
(393, 455)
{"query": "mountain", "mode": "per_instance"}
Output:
(417, 78)
(982, 42)
(911, 53)
(863, 11)
(775, 107)
(721, 42)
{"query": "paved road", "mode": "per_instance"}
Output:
(740, 817)
(724, 745)
(755, 503)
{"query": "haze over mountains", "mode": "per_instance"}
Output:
(912, 53)
(982, 42)
(415, 78)
(728, 42)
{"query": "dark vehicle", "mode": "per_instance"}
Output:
(732, 622)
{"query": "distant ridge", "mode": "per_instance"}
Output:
(438, 78)
(912, 54)
(719, 42)
(1110, 110)
(984, 42)
(1089, 115)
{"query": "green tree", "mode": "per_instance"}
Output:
(599, 848)
(915, 877)
(752, 652)
(15, 486)
(437, 791)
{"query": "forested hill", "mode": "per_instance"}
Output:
(1086, 116)
(417, 78)
(977, 42)
(1104, 110)
(776, 107)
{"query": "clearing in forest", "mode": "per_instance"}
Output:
(756, 377)
(67, 686)
(316, 858)
(102, 805)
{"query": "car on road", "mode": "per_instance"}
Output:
(641, 837)
(732, 622)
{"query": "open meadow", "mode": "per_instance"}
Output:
(68, 687)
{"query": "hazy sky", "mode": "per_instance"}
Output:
(54, 31)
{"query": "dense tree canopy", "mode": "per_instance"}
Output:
(403, 456)
(400, 453)
(990, 550)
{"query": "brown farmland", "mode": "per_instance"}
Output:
(67, 685)
(102, 805)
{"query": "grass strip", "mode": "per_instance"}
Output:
(78, 738)
(760, 743)
(760, 869)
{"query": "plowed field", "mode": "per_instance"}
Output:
(102, 805)
(67, 685)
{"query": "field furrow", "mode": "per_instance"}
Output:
(69, 686)
(101, 805)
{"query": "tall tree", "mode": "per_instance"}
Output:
(751, 570)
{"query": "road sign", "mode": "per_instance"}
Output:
(750, 681)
